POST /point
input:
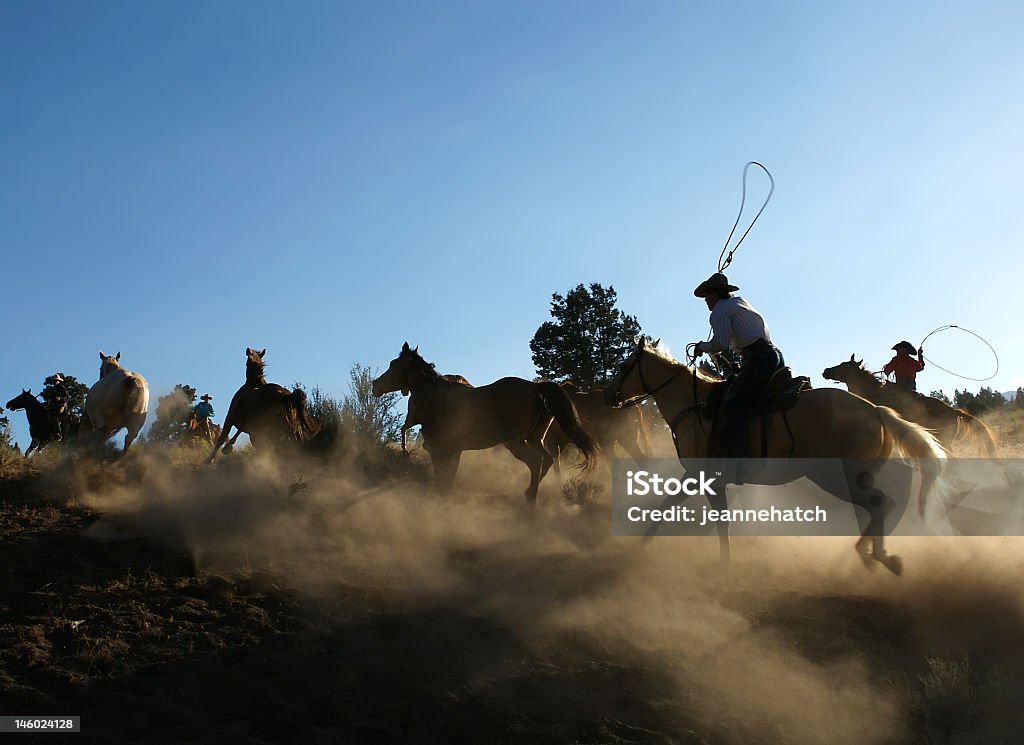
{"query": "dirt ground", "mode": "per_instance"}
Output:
(260, 602)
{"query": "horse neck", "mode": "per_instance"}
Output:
(861, 381)
(672, 395)
(254, 375)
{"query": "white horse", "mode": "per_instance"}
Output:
(120, 398)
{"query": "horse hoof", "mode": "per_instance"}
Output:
(894, 564)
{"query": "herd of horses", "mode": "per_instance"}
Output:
(536, 421)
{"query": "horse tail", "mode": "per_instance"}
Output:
(914, 441)
(304, 426)
(977, 431)
(560, 406)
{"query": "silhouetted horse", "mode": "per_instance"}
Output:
(413, 415)
(511, 411)
(948, 422)
(42, 425)
(607, 424)
(265, 411)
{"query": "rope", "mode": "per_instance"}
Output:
(977, 336)
(743, 200)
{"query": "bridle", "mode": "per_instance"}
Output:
(636, 400)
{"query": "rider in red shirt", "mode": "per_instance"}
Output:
(905, 366)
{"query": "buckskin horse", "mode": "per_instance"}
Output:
(947, 422)
(823, 423)
(512, 412)
(265, 411)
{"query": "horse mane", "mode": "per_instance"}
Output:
(665, 356)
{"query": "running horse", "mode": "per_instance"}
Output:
(947, 422)
(118, 400)
(607, 424)
(512, 412)
(823, 423)
(42, 425)
(264, 410)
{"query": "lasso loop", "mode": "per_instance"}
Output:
(977, 336)
(743, 200)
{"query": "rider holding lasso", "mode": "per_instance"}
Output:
(736, 324)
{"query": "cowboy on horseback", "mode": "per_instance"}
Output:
(204, 413)
(736, 324)
(55, 399)
(905, 366)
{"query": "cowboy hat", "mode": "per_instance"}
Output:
(206, 397)
(911, 349)
(716, 281)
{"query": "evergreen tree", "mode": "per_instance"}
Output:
(941, 396)
(588, 338)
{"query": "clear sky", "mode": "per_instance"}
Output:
(329, 179)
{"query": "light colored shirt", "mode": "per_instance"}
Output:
(735, 323)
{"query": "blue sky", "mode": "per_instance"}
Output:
(181, 180)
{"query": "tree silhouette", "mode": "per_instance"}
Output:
(588, 338)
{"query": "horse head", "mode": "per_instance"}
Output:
(108, 363)
(627, 383)
(842, 372)
(401, 372)
(21, 400)
(254, 366)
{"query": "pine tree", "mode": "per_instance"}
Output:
(588, 338)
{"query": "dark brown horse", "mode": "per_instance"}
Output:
(202, 433)
(42, 424)
(264, 411)
(947, 422)
(607, 424)
(512, 412)
(413, 415)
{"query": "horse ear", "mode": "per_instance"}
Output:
(860, 362)
(118, 356)
(853, 358)
(416, 349)
(642, 343)
(102, 356)
(656, 342)
(405, 347)
(263, 353)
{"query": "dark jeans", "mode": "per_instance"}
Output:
(731, 440)
(908, 383)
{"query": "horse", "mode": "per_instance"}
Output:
(607, 424)
(119, 399)
(42, 425)
(412, 413)
(512, 412)
(199, 433)
(264, 410)
(823, 423)
(947, 422)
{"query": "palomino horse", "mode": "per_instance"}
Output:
(824, 423)
(607, 424)
(119, 399)
(264, 410)
(947, 422)
(42, 425)
(511, 411)
(413, 415)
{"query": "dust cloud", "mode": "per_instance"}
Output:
(795, 642)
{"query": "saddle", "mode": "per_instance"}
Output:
(778, 395)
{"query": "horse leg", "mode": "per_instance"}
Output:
(721, 502)
(533, 459)
(134, 427)
(445, 467)
(877, 504)
(33, 444)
